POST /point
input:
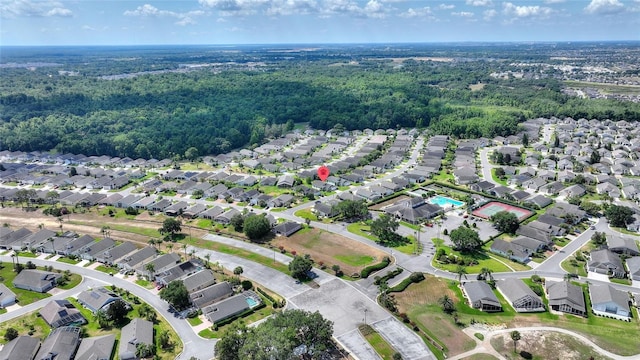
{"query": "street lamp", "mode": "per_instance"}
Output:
(365, 315)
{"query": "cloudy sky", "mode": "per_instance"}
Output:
(126, 22)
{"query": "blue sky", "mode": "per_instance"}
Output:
(125, 22)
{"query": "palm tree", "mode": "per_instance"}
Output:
(152, 242)
(486, 273)
(53, 246)
(207, 256)
(60, 221)
(447, 304)
(192, 252)
(151, 269)
(170, 247)
(105, 230)
(461, 271)
(184, 247)
(515, 336)
(102, 319)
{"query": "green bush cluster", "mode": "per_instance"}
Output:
(414, 278)
(375, 267)
(388, 276)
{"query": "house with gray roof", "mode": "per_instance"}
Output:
(20, 348)
(481, 296)
(510, 250)
(211, 213)
(7, 297)
(178, 272)
(633, 266)
(211, 294)
(36, 280)
(622, 245)
(6, 242)
(194, 210)
(520, 296)
(138, 331)
(287, 228)
(160, 263)
(59, 313)
(610, 302)
(73, 246)
(91, 250)
(226, 308)
(96, 348)
(57, 245)
(97, 299)
(110, 256)
(141, 256)
(36, 239)
(199, 280)
(61, 344)
(225, 217)
(606, 262)
(566, 297)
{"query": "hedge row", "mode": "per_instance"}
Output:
(416, 277)
(375, 267)
(389, 275)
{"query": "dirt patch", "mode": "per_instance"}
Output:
(544, 345)
(331, 249)
(476, 87)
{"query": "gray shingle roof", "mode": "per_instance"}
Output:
(20, 348)
(96, 299)
(138, 331)
(480, 291)
(226, 308)
(211, 294)
(59, 313)
(62, 342)
(96, 348)
(566, 293)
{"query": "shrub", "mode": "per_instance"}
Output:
(247, 285)
(375, 267)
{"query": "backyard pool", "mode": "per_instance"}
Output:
(252, 302)
(445, 202)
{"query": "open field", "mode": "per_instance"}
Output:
(544, 345)
(331, 249)
(605, 88)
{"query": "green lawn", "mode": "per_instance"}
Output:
(74, 280)
(152, 233)
(27, 254)
(145, 283)
(204, 223)
(496, 178)
(580, 269)
(194, 321)
(212, 333)
(355, 260)
(620, 281)
(410, 226)
(362, 230)
(106, 269)
(482, 257)
(380, 345)
(24, 297)
(68, 261)
(625, 231)
(306, 214)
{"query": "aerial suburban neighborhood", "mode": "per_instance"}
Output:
(145, 258)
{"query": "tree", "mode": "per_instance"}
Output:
(283, 336)
(500, 173)
(505, 222)
(164, 339)
(619, 216)
(595, 157)
(238, 270)
(191, 154)
(10, 334)
(237, 221)
(525, 140)
(515, 336)
(256, 226)
(73, 171)
(176, 294)
(465, 239)
(102, 319)
(599, 239)
(299, 267)
(461, 271)
(117, 311)
(447, 304)
(352, 210)
(590, 207)
(384, 227)
(145, 350)
(151, 268)
(171, 226)
(336, 269)
(486, 273)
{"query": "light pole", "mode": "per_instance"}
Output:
(365, 315)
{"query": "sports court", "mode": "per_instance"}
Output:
(489, 209)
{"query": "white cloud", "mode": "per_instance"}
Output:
(87, 27)
(235, 7)
(604, 7)
(479, 2)
(553, 1)
(372, 9)
(446, 6)
(525, 11)
(291, 7)
(465, 14)
(489, 14)
(28, 8)
(148, 10)
(414, 13)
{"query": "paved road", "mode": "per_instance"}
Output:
(194, 346)
(485, 165)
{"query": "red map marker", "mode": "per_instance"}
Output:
(323, 173)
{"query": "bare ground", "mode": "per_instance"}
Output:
(544, 345)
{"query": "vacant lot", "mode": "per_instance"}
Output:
(331, 249)
(544, 345)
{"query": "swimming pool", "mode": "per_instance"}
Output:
(252, 302)
(445, 202)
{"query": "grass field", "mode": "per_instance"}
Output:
(606, 88)
(74, 280)
(484, 259)
(106, 269)
(380, 345)
(29, 324)
(364, 231)
(24, 297)
(67, 261)
(331, 249)
(306, 214)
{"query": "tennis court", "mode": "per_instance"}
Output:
(489, 209)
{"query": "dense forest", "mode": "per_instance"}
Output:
(159, 108)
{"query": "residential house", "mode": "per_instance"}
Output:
(622, 245)
(160, 263)
(225, 217)
(176, 209)
(465, 175)
(141, 256)
(194, 211)
(534, 183)
(211, 213)
(326, 209)
(34, 240)
(566, 297)
(74, 246)
(7, 297)
(287, 228)
(138, 331)
(97, 299)
(96, 348)
(226, 308)
(89, 251)
(511, 251)
(633, 266)
(610, 302)
(482, 186)
(36, 280)
(21, 348)
(606, 262)
(61, 344)
(481, 296)
(59, 313)
(283, 200)
(199, 280)
(538, 201)
(178, 272)
(520, 296)
(111, 255)
(285, 181)
(211, 294)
